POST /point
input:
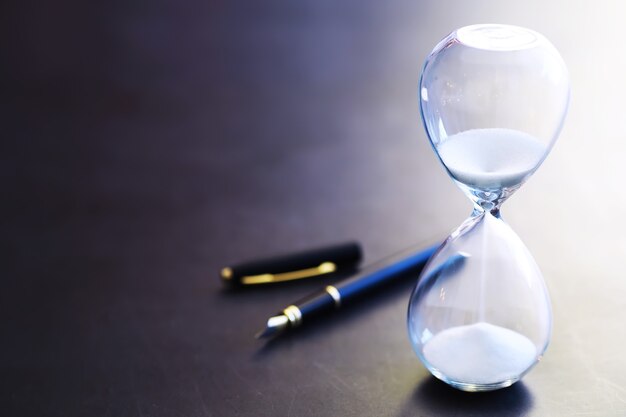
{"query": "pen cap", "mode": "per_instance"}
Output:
(294, 266)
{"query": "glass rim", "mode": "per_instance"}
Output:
(497, 37)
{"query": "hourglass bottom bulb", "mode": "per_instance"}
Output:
(480, 355)
(482, 322)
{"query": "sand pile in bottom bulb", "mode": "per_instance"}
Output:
(480, 353)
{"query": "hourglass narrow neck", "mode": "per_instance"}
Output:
(488, 200)
(480, 211)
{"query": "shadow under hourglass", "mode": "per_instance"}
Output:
(442, 400)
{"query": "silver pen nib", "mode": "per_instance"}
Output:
(275, 325)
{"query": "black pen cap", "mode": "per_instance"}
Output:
(294, 266)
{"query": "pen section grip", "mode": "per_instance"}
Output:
(398, 267)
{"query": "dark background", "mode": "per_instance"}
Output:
(147, 144)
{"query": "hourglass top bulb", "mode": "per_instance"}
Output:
(493, 99)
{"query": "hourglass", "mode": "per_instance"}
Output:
(493, 99)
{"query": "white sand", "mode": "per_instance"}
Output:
(480, 353)
(491, 158)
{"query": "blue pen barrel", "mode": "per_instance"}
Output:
(392, 269)
(385, 272)
(317, 304)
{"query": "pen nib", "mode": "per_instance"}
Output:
(275, 325)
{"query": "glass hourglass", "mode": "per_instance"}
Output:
(493, 99)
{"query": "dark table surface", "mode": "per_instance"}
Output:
(147, 144)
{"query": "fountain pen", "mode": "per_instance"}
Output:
(334, 296)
